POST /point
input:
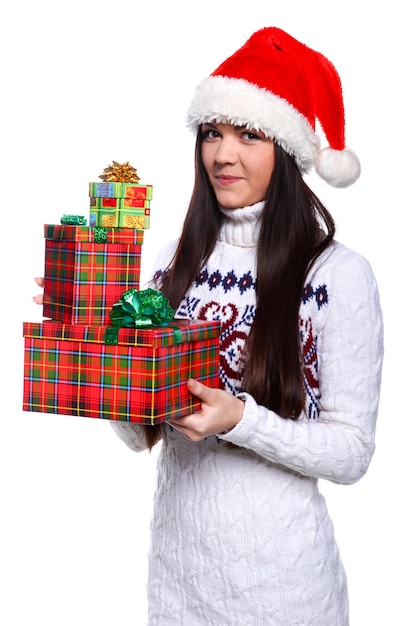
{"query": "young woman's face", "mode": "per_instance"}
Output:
(239, 163)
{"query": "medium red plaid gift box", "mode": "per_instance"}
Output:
(69, 369)
(87, 269)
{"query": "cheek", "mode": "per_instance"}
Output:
(206, 156)
(265, 173)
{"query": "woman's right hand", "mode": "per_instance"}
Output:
(38, 298)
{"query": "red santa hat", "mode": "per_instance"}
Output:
(278, 85)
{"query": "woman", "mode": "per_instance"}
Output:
(241, 534)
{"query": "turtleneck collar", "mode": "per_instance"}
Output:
(240, 227)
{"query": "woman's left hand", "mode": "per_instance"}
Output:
(39, 297)
(220, 411)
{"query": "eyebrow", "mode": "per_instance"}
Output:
(235, 128)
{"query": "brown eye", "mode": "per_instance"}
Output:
(250, 136)
(210, 133)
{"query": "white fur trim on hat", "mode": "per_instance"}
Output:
(241, 103)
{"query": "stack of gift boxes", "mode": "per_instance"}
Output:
(69, 366)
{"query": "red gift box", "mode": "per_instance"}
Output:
(69, 369)
(87, 270)
(92, 234)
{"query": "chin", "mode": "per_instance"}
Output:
(229, 207)
(229, 203)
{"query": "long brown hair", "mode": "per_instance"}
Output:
(295, 229)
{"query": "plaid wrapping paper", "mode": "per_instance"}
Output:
(121, 190)
(87, 234)
(143, 383)
(150, 337)
(82, 281)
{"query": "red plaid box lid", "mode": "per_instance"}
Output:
(91, 234)
(180, 330)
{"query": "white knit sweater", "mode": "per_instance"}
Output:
(241, 535)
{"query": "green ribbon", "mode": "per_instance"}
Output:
(100, 234)
(139, 309)
(78, 220)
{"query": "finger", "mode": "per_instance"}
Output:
(39, 281)
(199, 390)
(181, 429)
(38, 299)
(186, 421)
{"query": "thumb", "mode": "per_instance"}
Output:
(198, 389)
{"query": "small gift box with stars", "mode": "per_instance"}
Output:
(120, 200)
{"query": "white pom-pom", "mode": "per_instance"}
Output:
(339, 168)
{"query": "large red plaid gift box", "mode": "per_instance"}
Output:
(118, 204)
(87, 269)
(70, 370)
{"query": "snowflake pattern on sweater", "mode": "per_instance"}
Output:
(237, 321)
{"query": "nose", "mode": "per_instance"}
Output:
(226, 150)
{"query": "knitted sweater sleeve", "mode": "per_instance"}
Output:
(133, 435)
(339, 445)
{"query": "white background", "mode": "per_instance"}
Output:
(84, 83)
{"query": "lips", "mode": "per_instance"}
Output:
(224, 179)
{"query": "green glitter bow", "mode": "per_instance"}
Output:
(138, 309)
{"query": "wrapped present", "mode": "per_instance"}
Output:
(120, 212)
(77, 220)
(120, 190)
(119, 203)
(88, 234)
(87, 269)
(138, 377)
